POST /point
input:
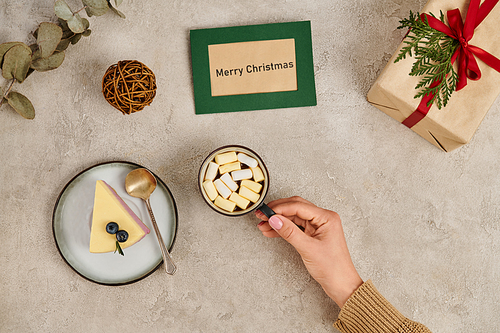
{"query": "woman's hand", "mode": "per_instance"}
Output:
(321, 245)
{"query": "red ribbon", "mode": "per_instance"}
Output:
(465, 53)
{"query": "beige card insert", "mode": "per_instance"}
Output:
(252, 67)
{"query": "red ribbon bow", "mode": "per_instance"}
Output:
(467, 65)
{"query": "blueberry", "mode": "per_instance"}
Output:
(112, 227)
(121, 236)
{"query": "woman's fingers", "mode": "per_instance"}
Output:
(267, 230)
(271, 234)
(291, 199)
(279, 202)
(301, 211)
(264, 226)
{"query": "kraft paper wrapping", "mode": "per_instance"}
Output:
(454, 125)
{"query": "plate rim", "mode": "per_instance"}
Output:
(71, 181)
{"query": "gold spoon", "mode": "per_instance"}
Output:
(140, 183)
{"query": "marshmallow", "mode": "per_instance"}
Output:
(225, 158)
(210, 189)
(256, 187)
(239, 200)
(242, 174)
(211, 171)
(258, 175)
(247, 160)
(247, 193)
(223, 190)
(226, 178)
(229, 167)
(225, 204)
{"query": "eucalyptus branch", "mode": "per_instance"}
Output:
(18, 60)
(79, 10)
(4, 96)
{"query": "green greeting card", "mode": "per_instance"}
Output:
(254, 67)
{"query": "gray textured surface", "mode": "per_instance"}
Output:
(422, 224)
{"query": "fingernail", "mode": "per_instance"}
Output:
(261, 223)
(259, 214)
(275, 222)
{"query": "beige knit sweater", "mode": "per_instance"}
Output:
(367, 311)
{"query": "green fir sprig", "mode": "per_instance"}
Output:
(433, 51)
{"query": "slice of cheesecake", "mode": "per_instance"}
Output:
(109, 207)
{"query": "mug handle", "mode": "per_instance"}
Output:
(266, 210)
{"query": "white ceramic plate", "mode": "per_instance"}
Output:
(73, 217)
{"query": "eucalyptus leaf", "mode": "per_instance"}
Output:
(88, 11)
(33, 48)
(5, 47)
(95, 7)
(96, 3)
(62, 23)
(49, 36)
(86, 23)
(63, 45)
(66, 30)
(75, 38)
(16, 62)
(31, 70)
(62, 10)
(118, 2)
(87, 33)
(36, 54)
(117, 12)
(21, 104)
(47, 64)
(75, 24)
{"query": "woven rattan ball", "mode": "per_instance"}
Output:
(129, 86)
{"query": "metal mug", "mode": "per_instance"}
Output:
(260, 205)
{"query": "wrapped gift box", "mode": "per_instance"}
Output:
(454, 125)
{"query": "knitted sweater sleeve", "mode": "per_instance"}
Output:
(367, 311)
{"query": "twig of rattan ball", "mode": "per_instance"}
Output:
(129, 86)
